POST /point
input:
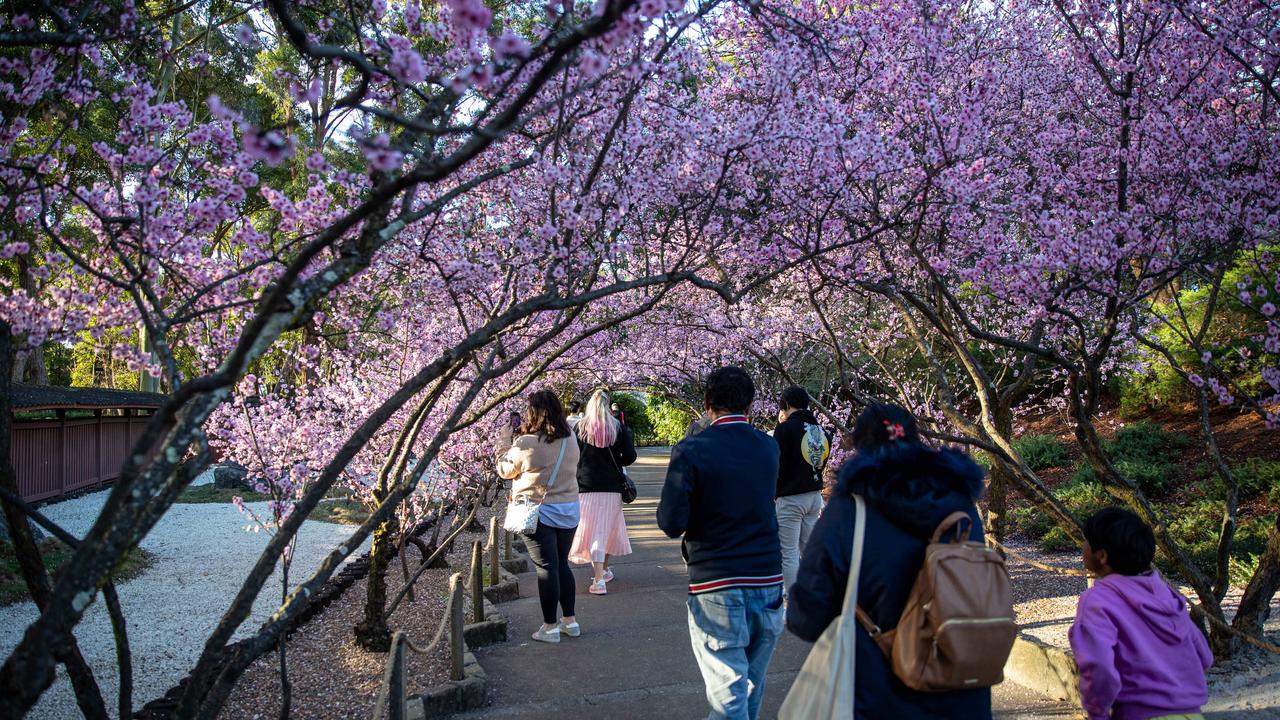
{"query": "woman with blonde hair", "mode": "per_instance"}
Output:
(605, 447)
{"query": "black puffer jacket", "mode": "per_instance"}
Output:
(909, 490)
(600, 469)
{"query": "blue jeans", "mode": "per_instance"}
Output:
(733, 633)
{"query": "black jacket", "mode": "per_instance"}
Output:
(719, 495)
(908, 492)
(795, 474)
(600, 469)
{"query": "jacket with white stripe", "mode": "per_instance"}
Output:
(719, 495)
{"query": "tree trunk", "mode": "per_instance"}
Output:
(1255, 606)
(373, 633)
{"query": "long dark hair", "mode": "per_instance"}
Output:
(545, 417)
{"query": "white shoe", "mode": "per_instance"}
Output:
(608, 575)
(547, 636)
(571, 629)
(597, 588)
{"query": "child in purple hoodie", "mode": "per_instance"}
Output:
(1139, 654)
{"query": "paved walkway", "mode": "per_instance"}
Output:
(633, 659)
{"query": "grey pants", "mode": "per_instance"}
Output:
(797, 515)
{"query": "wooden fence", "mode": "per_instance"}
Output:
(59, 456)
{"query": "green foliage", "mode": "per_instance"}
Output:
(54, 555)
(207, 493)
(1257, 476)
(1196, 526)
(1232, 339)
(670, 420)
(1081, 499)
(1042, 451)
(93, 365)
(1142, 452)
(637, 417)
(58, 361)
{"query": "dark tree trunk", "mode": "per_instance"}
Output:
(373, 633)
(1255, 606)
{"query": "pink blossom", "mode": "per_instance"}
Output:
(592, 64)
(510, 45)
(271, 146)
(246, 35)
(407, 66)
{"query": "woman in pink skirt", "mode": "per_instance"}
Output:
(606, 446)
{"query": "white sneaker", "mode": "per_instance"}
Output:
(608, 575)
(572, 629)
(547, 636)
(597, 588)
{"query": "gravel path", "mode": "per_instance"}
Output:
(1246, 686)
(202, 553)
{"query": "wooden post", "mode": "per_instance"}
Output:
(391, 698)
(62, 452)
(97, 446)
(507, 552)
(477, 583)
(493, 550)
(457, 644)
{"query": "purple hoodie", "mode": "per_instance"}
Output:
(1139, 654)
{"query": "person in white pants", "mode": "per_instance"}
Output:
(804, 448)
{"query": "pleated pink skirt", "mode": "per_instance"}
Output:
(602, 529)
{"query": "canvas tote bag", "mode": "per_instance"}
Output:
(824, 687)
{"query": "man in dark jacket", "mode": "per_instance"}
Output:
(803, 448)
(719, 495)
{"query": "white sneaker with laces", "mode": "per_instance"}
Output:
(597, 588)
(608, 575)
(572, 629)
(547, 636)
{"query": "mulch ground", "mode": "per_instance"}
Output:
(334, 679)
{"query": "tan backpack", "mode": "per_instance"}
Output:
(957, 627)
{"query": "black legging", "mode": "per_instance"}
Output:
(547, 545)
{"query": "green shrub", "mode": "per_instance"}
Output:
(1256, 476)
(637, 415)
(1041, 452)
(669, 419)
(1080, 499)
(1146, 440)
(1195, 526)
(1142, 452)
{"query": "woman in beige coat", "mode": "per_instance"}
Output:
(542, 463)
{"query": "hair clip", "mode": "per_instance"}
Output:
(895, 430)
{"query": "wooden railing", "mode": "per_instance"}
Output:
(61, 455)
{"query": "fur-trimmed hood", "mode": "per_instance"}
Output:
(913, 486)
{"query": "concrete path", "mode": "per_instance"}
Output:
(634, 659)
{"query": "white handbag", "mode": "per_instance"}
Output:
(825, 686)
(522, 512)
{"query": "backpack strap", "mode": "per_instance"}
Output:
(958, 519)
